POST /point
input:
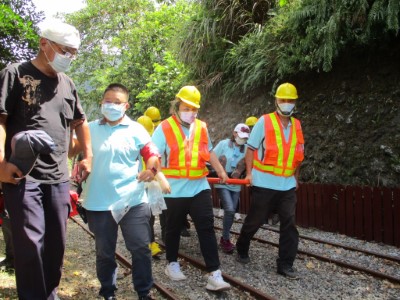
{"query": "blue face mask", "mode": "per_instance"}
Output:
(60, 63)
(113, 112)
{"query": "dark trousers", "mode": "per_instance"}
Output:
(6, 228)
(264, 201)
(200, 208)
(162, 225)
(135, 228)
(152, 235)
(38, 214)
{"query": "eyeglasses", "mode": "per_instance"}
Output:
(67, 53)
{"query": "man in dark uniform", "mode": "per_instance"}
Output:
(37, 95)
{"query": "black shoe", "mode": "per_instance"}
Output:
(243, 259)
(7, 264)
(288, 272)
(185, 232)
(110, 298)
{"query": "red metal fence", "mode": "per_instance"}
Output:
(371, 214)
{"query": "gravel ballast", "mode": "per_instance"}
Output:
(318, 279)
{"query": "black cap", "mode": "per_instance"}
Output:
(26, 147)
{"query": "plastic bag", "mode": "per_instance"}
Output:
(164, 184)
(119, 209)
(156, 198)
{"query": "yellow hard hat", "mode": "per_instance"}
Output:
(147, 123)
(286, 91)
(154, 114)
(251, 121)
(190, 95)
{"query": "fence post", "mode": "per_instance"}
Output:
(358, 212)
(367, 214)
(341, 191)
(319, 206)
(349, 210)
(396, 212)
(387, 210)
(377, 214)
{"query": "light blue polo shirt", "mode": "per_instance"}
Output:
(115, 165)
(180, 187)
(257, 141)
(233, 156)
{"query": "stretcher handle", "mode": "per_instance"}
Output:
(228, 181)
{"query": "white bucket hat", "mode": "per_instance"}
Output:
(60, 33)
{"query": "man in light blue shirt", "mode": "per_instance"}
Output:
(273, 157)
(114, 194)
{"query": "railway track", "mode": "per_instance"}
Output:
(246, 287)
(346, 247)
(166, 292)
(324, 257)
(338, 262)
(125, 263)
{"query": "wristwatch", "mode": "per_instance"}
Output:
(153, 170)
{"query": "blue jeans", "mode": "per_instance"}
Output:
(230, 200)
(135, 229)
(38, 214)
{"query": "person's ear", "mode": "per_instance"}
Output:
(43, 43)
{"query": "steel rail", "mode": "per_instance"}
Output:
(257, 294)
(330, 260)
(162, 289)
(355, 249)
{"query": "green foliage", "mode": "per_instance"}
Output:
(18, 38)
(163, 84)
(127, 42)
(295, 36)
(218, 25)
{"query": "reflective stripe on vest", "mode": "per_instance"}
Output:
(281, 158)
(187, 157)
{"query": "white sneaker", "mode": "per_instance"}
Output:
(221, 213)
(173, 271)
(215, 282)
(238, 217)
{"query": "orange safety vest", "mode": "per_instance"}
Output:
(188, 156)
(281, 158)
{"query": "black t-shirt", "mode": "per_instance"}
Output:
(32, 100)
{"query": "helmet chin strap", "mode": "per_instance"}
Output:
(183, 123)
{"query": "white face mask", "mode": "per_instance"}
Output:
(240, 141)
(187, 116)
(60, 62)
(286, 109)
(113, 112)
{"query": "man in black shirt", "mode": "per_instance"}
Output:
(37, 95)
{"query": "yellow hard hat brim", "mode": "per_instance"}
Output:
(190, 103)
